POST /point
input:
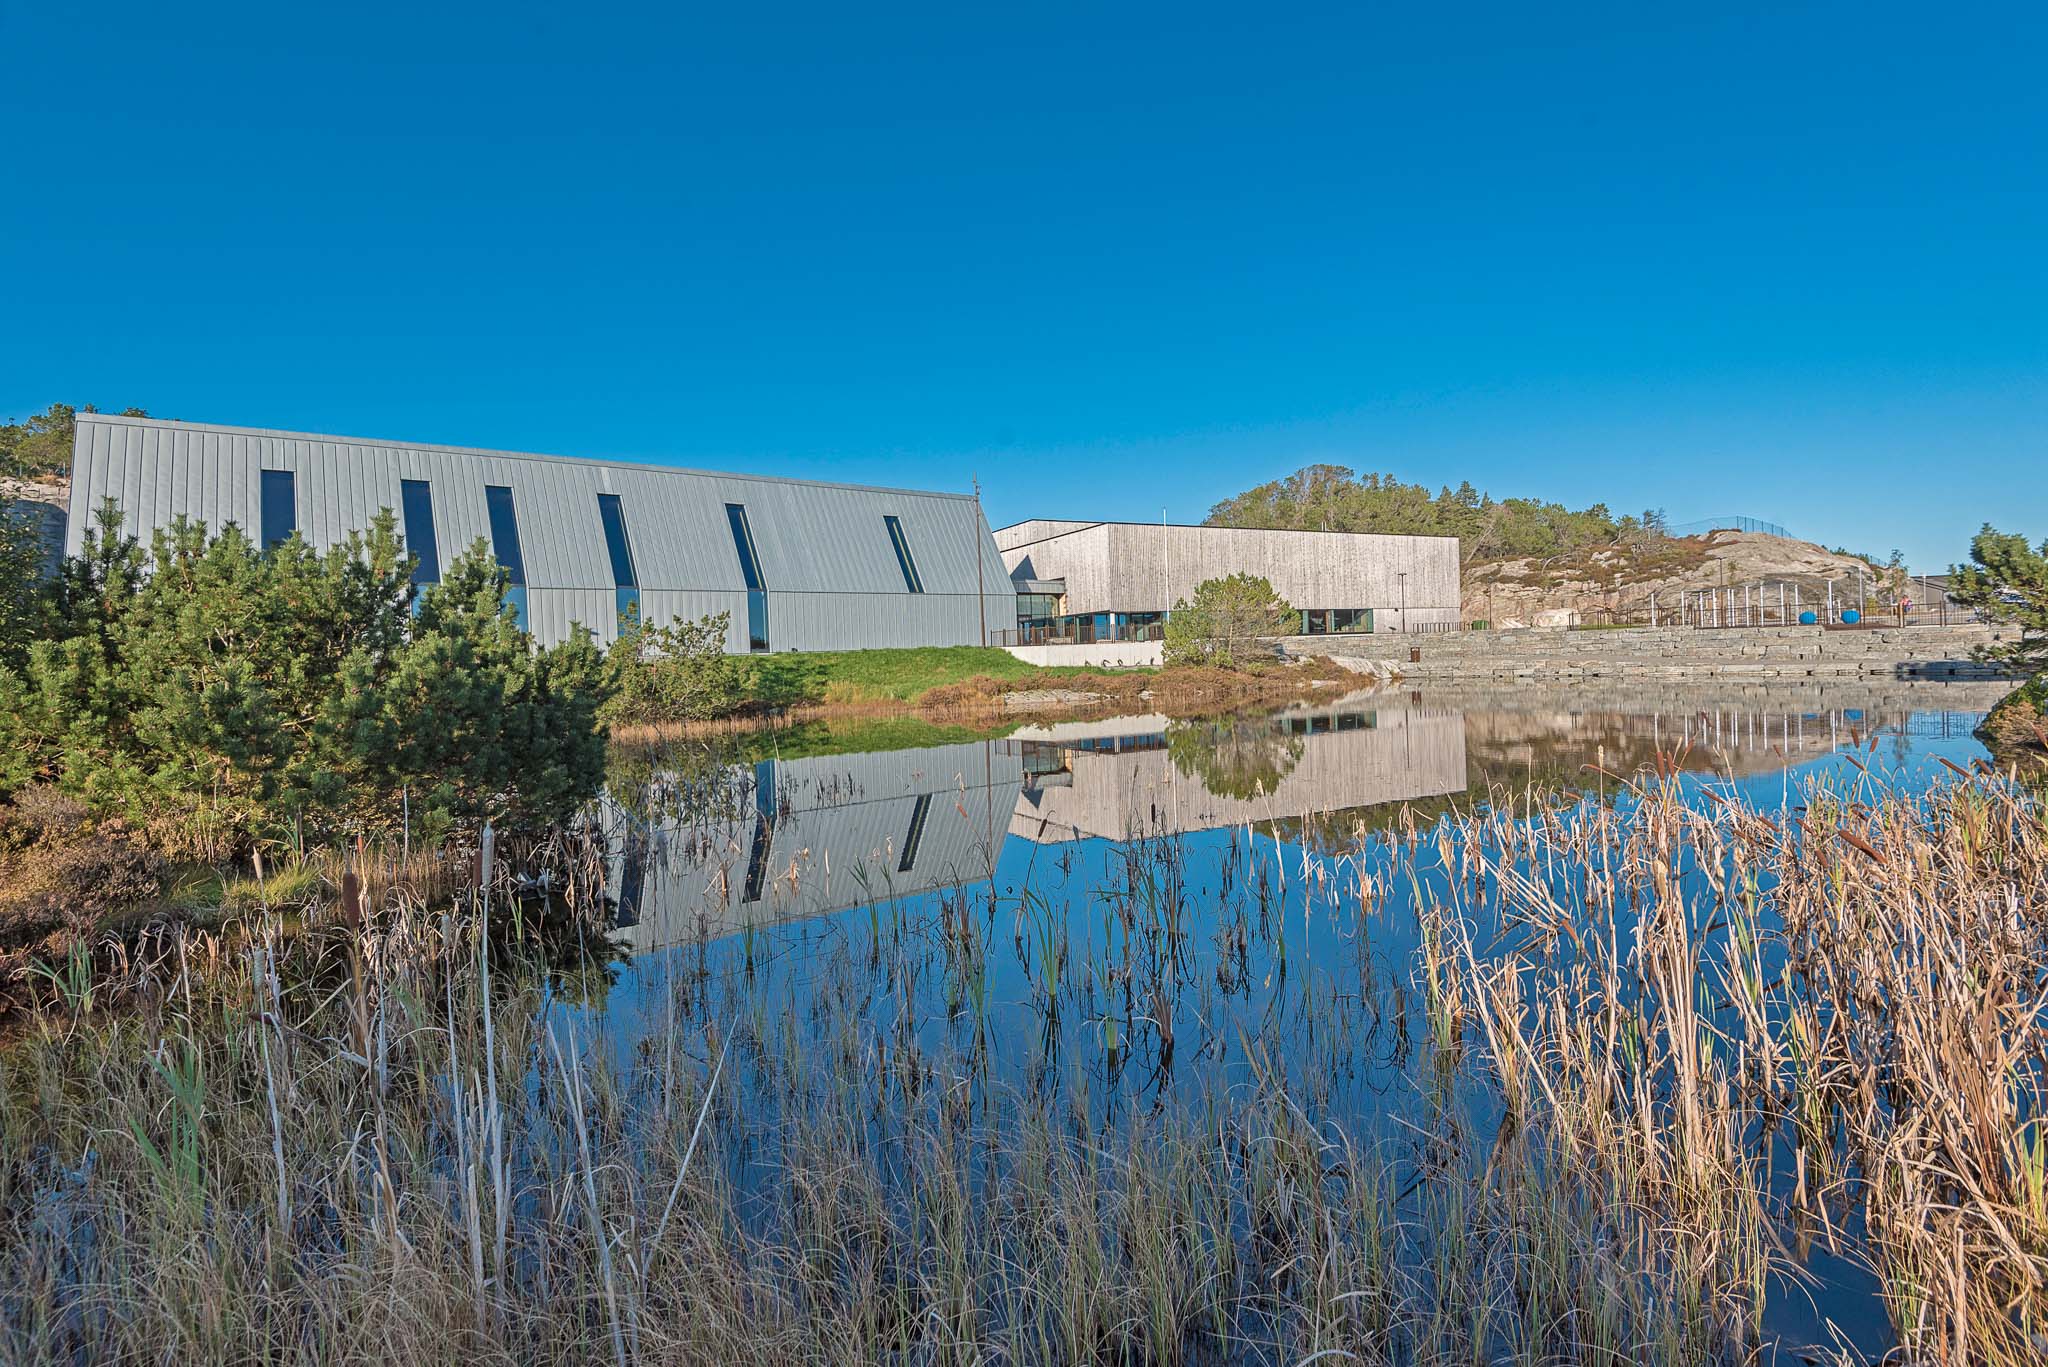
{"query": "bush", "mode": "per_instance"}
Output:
(71, 878)
(1226, 622)
(2017, 728)
(673, 673)
(222, 697)
(2007, 582)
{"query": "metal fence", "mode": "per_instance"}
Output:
(1728, 522)
(1081, 633)
(1765, 605)
(1088, 633)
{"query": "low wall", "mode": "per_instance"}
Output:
(1756, 653)
(1107, 654)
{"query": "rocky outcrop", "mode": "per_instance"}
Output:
(45, 505)
(1596, 584)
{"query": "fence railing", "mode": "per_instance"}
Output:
(1728, 522)
(1711, 613)
(1078, 634)
(1088, 633)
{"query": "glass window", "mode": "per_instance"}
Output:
(750, 568)
(915, 835)
(1352, 619)
(625, 583)
(615, 541)
(280, 507)
(505, 532)
(416, 499)
(911, 580)
(765, 804)
(743, 542)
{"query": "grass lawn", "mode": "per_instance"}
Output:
(881, 675)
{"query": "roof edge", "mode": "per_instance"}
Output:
(121, 420)
(1084, 525)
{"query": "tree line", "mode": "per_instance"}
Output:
(40, 445)
(1332, 498)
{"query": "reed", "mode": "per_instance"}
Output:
(1578, 1085)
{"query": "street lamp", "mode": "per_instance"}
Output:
(1402, 575)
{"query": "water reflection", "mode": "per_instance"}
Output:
(1134, 776)
(782, 839)
(1139, 916)
(740, 844)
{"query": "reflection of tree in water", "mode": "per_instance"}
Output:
(1234, 757)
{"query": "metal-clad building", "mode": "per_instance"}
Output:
(1116, 780)
(1342, 581)
(819, 835)
(800, 565)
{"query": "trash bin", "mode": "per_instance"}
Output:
(1415, 655)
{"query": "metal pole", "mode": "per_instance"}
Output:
(1402, 575)
(980, 590)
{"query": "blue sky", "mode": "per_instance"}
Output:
(1786, 262)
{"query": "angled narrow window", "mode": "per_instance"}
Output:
(765, 802)
(615, 541)
(625, 583)
(280, 507)
(505, 544)
(904, 562)
(914, 837)
(750, 569)
(416, 499)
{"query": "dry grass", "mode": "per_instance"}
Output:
(1641, 1051)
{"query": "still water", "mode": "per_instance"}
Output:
(812, 898)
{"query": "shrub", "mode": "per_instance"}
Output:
(2017, 728)
(76, 884)
(2007, 581)
(221, 696)
(1226, 621)
(672, 673)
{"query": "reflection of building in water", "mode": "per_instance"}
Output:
(814, 836)
(1127, 776)
(1547, 734)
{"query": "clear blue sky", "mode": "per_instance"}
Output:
(1792, 262)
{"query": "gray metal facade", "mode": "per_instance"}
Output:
(1147, 567)
(824, 834)
(829, 566)
(1348, 757)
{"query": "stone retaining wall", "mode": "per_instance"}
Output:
(1755, 653)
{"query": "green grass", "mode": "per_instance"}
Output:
(882, 675)
(860, 736)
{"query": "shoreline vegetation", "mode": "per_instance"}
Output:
(179, 720)
(1658, 1057)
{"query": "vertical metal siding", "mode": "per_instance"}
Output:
(832, 575)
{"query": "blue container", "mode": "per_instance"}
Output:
(1850, 617)
(1808, 618)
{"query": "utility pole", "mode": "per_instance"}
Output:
(980, 588)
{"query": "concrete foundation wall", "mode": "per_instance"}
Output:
(1108, 655)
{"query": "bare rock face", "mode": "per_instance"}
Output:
(1593, 584)
(44, 503)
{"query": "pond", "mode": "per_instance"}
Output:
(1195, 944)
